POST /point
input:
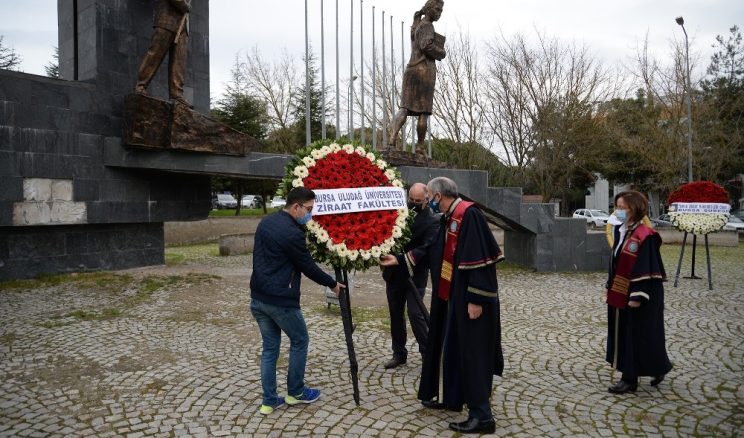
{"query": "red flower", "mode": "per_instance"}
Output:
(699, 191)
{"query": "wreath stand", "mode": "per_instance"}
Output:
(692, 273)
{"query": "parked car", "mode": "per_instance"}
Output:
(251, 201)
(662, 221)
(597, 218)
(734, 224)
(278, 202)
(224, 200)
(738, 213)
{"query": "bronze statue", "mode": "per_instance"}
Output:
(171, 27)
(427, 47)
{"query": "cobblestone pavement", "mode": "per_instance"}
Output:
(173, 351)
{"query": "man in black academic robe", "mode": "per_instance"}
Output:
(465, 328)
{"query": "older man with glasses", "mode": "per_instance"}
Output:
(280, 257)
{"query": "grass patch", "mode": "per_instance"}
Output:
(8, 339)
(177, 255)
(105, 280)
(173, 258)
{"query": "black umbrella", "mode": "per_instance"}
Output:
(344, 302)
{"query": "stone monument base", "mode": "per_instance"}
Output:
(152, 123)
(419, 159)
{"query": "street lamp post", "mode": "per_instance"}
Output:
(351, 109)
(681, 22)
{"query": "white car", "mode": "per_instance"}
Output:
(598, 218)
(278, 202)
(250, 201)
(734, 224)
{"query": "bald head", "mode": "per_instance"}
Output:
(417, 191)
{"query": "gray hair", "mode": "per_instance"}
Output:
(443, 185)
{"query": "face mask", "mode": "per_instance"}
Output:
(621, 215)
(434, 205)
(415, 207)
(304, 219)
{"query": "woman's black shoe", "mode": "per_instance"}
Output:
(474, 425)
(621, 387)
(657, 380)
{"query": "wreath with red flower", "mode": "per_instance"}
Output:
(699, 207)
(348, 240)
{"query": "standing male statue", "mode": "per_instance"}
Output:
(417, 98)
(171, 27)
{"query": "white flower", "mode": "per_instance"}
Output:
(342, 252)
(397, 232)
(330, 246)
(322, 235)
(360, 150)
(366, 254)
(400, 221)
(371, 157)
(403, 212)
(297, 183)
(335, 147)
(376, 251)
(316, 154)
(381, 164)
(353, 254)
(698, 223)
(309, 162)
(398, 183)
(348, 148)
(390, 174)
(301, 171)
(325, 150)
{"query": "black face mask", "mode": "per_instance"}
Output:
(417, 208)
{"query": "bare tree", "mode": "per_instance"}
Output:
(540, 102)
(276, 83)
(9, 59)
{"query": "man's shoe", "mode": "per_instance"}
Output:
(394, 362)
(657, 380)
(308, 395)
(474, 425)
(621, 387)
(435, 404)
(267, 409)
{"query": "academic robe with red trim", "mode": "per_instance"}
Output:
(636, 344)
(468, 350)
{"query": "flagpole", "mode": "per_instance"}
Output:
(322, 74)
(374, 84)
(308, 139)
(338, 100)
(351, 71)
(392, 78)
(361, 60)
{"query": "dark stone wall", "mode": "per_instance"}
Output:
(26, 252)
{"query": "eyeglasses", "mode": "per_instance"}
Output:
(310, 208)
(417, 201)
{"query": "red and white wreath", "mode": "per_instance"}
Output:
(351, 240)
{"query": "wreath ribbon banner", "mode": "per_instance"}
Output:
(358, 199)
(700, 207)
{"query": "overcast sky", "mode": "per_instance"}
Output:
(612, 29)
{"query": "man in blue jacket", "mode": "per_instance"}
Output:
(280, 257)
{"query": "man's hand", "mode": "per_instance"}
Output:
(337, 289)
(474, 310)
(634, 304)
(388, 260)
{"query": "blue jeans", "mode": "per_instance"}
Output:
(272, 321)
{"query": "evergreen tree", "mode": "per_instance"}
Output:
(9, 59)
(52, 69)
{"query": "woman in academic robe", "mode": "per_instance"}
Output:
(635, 298)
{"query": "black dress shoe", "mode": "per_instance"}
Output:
(474, 425)
(621, 387)
(657, 380)
(394, 362)
(435, 404)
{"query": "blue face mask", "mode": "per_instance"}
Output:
(621, 215)
(434, 205)
(304, 219)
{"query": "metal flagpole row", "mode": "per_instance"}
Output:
(338, 100)
(351, 71)
(307, 82)
(374, 85)
(392, 79)
(384, 87)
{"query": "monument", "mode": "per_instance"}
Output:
(419, 77)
